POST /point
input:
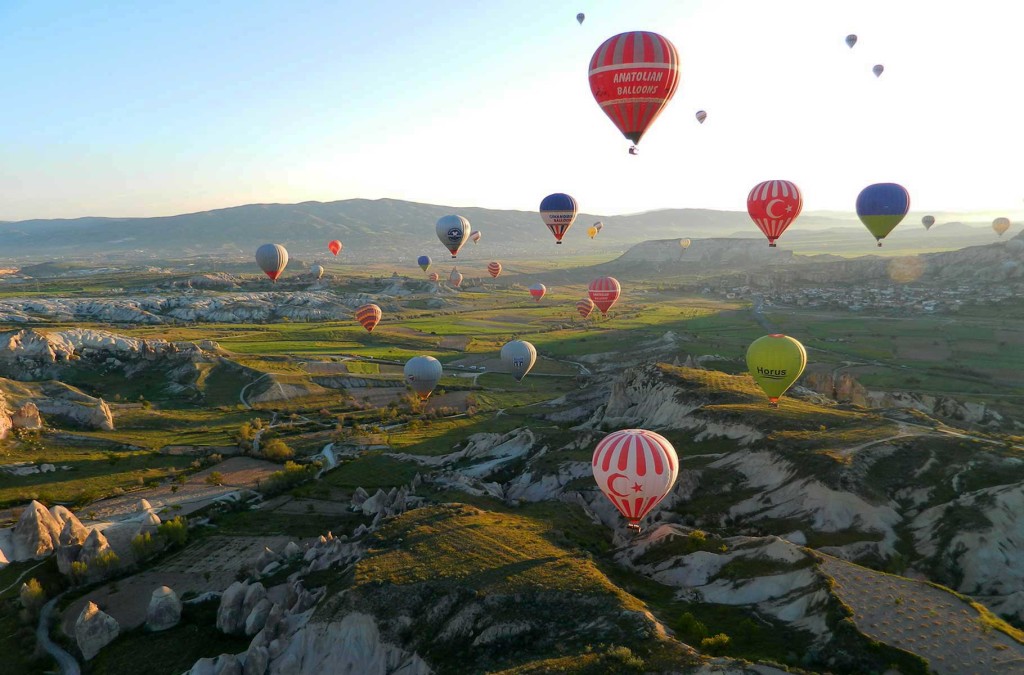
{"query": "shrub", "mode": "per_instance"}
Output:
(143, 545)
(716, 646)
(215, 478)
(625, 657)
(32, 597)
(277, 451)
(107, 561)
(174, 531)
(692, 629)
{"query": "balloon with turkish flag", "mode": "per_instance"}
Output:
(635, 469)
(773, 205)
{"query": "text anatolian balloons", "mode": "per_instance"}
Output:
(518, 356)
(494, 269)
(272, 259)
(1001, 225)
(453, 231)
(538, 291)
(558, 211)
(776, 362)
(585, 307)
(881, 207)
(635, 469)
(633, 76)
(422, 373)
(334, 247)
(369, 315)
(604, 291)
(773, 205)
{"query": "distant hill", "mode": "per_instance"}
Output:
(391, 229)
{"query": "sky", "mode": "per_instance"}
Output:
(144, 109)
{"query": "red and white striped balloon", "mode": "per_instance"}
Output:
(455, 278)
(369, 316)
(494, 269)
(635, 469)
(585, 307)
(434, 276)
(538, 291)
(773, 205)
(604, 291)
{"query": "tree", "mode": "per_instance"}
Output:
(143, 545)
(174, 531)
(215, 478)
(32, 597)
(277, 450)
(716, 646)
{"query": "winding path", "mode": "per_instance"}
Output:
(20, 577)
(68, 664)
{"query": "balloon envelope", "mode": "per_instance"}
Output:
(685, 243)
(851, 40)
(434, 276)
(635, 469)
(369, 315)
(776, 362)
(453, 231)
(494, 269)
(928, 221)
(424, 262)
(604, 291)
(878, 70)
(633, 76)
(422, 373)
(773, 205)
(272, 259)
(1001, 225)
(585, 307)
(701, 116)
(580, 17)
(335, 247)
(592, 231)
(518, 356)
(599, 226)
(538, 291)
(881, 207)
(455, 278)
(475, 237)
(558, 211)
(317, 271)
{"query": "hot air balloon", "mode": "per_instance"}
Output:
(591, 231)
(317, 271)
(599, 226)
(494, 268)
(635, 469)
(928, 221)
(633, 76)
(684, 244)
(455, 278)
(424, 262)
(878, 70)
(580, 17)
(585, 307)
(422, 373)
(776, 362)
(538, 291)
(773, 205)
(272, 259)
(434, 276)
(851, 40)
(335, 246)
(701, 116)
(604, 291)
(558, 212)
(1001, 225)
(475, 237)
(369, 315)
(519, 357)
(453, 231)
(881, 207)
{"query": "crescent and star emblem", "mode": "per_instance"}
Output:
(611, 485)
(768, 209)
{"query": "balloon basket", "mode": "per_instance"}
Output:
(559, 241)
(633, 150)
(879, 244)
(772, 245)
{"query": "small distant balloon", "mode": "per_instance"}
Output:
(591, 231)
(580, 17)
(518, 356)
(453, 231)
(475, 237)
(424, 262)
(928, 221)
(494, 269)
(851, 40)
(878, 70)
(335, 247)
(599, 226)
(684, 243)
(434, 276)
(538, 291)
(558, 211)
(604, 291)
(369, 316)
(272, 259)
(701, 116)
(422, 373)
(317, 271)
(776, 362)
(455, 278)
(585, 307)
(881, 207)
(1001, 225)
(773, 205)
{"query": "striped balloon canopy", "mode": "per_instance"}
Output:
(585, 307)
(494, 269)
(635, 469)
(538, 291)
(434, 276)
(773, 205)
(633, 76)
(558, 211)
(455, 278)
(604, 291)
(369, 315)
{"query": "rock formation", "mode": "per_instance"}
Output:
(94, 630)
(27, 417)
(37, 533)
(164, 610)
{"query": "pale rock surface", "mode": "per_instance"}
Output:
(26, 417)
(257, 618)
(36, 534)
(164, 610)
(94, 630)
(229, 613)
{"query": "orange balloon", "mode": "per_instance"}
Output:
(494, 268)
(335, 247)
(369, 316)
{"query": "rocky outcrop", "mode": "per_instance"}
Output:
(72, 537)
(36, 534)
(95, 548)
(6, 424)
(164, 610)
(90, 414)
(230, 619)
(94, 630)
(26, 417)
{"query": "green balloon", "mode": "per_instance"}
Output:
(776, 362)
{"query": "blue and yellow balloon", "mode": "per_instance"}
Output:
(881, 207)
